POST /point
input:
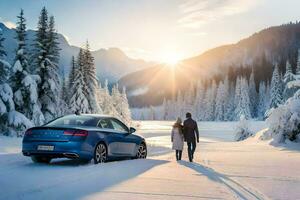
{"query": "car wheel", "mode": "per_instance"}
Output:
(100, 155)
(142, 151)
(40, 159)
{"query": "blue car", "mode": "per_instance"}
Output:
(84, 137)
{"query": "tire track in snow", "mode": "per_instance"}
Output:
(240, 191)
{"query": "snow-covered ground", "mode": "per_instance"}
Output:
(222, 169)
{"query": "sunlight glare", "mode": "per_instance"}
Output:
(171, 58)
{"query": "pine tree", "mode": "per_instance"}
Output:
(24, 84)
(72, 74)
(189, 100)
(220, 106)
(242, 100)
(40, 43)
(262, 101)
(4, 74)
(230, 106)
(11, 121)
(63, 97)
(198, 105)
(209, 102)
(179, 105)
(125, 113)
(46, 64)
(253, 95)
(53, 44)
(298, 64)
(20, 64)
(107, 102)
(90, 80)
(4, 66)
(164, 110)
(116, 98)
(78, 101)
(288, 77)
(276, 89)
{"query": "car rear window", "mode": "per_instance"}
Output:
(78, 120)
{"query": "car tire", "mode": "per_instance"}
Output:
(142, 151)
(40, 159)
(100, 154)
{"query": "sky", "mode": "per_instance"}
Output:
(155, 30)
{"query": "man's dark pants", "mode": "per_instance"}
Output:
(191, 149)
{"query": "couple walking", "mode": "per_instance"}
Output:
(187, 132)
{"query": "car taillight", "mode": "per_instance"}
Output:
(81, 133)
(28, 132)
(69, 132)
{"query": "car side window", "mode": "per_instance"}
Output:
(119, 126)
(105, 123)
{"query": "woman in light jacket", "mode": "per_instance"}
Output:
(177, 138)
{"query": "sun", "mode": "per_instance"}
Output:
(171, 58)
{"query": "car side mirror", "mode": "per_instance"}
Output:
(132, 130)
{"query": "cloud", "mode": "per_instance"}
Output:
(195, 13)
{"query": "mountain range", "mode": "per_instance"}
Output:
(110, 63)
(260, 52)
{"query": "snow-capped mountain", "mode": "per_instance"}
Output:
(260, 52)
(111, 63)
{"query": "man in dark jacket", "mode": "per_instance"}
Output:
(191, 133)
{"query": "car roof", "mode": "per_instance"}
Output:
(93, 115)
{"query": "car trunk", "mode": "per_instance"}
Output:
(49, 134)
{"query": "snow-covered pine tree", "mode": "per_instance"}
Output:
(189, 100)
(4, 74)
(262, 101)
(198, 105)
(294, 85)
(209, 102)
(107, 103)
(63, 101)
(220, 106)
(179, 105)
(288, 77)
(20, 61)
(24, 84)
(40, 43)
(253, 95)
(53, 44)
(4, 65)
(116, 97)
(11, 121)
(242, 100)
(276, 89)
(298, 64)
(151, 113)
(164, 110)
(237, 97)
(125, 113)
(71, 78)
(46, 64)
(78, 100)
(90, 79)
(230, 106)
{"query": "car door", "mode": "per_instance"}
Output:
(126, 142)
(112, 136)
